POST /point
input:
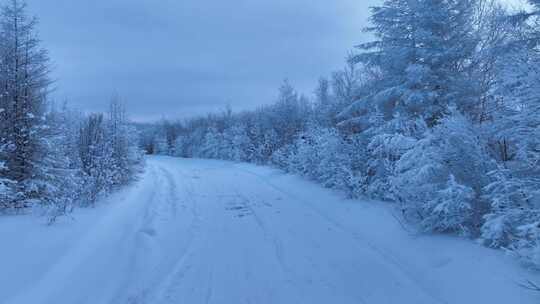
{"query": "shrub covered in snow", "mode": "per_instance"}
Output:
(439, 180)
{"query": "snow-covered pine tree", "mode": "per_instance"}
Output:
(239, 143)
(117, 134)
(422, 52)
(212, 146)
(57, 177)
(160, 145)
(324, 108)
(513, 221)
(7, 186)
(439, 180)
(334, 168)
(302, 157)
(270, 143)
(289, 114)
(25, 81)
(96, 158)
(512, 205)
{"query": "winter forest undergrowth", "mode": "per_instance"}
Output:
(438, 114)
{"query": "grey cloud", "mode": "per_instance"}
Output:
(180, 58)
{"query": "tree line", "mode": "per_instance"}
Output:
(439, 113)
(52, 159)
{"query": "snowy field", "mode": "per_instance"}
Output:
(201, 231)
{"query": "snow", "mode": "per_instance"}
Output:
(203, 231)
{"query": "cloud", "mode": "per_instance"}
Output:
(182, 58)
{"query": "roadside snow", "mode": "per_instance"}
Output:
(202, 231)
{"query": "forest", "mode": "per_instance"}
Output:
(439, 114)
(53, 158)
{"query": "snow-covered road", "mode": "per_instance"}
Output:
(200, 231)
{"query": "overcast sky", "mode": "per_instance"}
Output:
(178, 58)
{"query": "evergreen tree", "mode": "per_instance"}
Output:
(24, 70)
(423, 49)
(57, 174)
(118, 136)
(439, 180)
(96, 157)
(513, 193)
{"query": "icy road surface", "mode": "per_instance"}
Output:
(200, 231)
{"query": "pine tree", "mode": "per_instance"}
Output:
(96, 157)
(213, 145)
(421, 62)
(288, 119)
(512, 221)
(423, 50)
(118, 137)
(7, 186)
(24, 69)
(57, 173)
(439, 180)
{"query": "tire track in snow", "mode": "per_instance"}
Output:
(163, 292)
(276, 243)
(117, 227)
(156, 251)
(291, 276)
(356, 236)
(141, 249)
